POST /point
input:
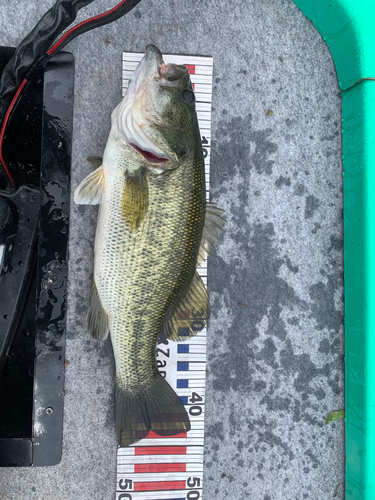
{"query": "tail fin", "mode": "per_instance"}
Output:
(157, 409)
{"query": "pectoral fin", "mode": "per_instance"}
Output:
(135, 199)
(190, 316)
(90, 191)
(213, 229)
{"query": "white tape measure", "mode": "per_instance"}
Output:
(161, 468)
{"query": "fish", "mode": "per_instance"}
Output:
(154, 229)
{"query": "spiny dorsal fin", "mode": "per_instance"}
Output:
(90, 191)
(96, 161)
(97, 318)
(213, 229)
(135, 198)
(190, 316)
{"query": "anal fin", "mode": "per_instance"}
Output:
(190, 316)
(97, 318)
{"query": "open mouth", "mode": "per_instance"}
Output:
(149, 156)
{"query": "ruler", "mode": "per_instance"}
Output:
(171, 468)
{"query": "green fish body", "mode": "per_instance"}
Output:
(154, 228)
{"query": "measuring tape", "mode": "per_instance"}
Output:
(161, 468)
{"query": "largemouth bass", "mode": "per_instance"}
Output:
(154, 229)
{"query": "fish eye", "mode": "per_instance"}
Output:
(188, 96)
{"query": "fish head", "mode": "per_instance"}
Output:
(157, 116)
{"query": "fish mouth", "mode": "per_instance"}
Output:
(170, 74)
(150, 69)
(150, 157)
(134, 132)
(153, 55)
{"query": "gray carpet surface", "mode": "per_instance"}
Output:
(275, 339)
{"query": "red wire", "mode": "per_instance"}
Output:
(99, 16)
(17, 94)
(3, 127)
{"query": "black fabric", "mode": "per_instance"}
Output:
(96, 23)
(34, 46)
(31, 53)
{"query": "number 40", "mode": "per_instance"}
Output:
(195, 398)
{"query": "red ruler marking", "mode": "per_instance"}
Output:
(160, 450)
(159, 485)
(191, 68)
(152, 435)
(139, 468)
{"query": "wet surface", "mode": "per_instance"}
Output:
(275, 339)
(36, 244)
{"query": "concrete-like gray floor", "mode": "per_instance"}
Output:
(275, 340)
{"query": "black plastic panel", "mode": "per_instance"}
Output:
(52, 260)
(16, 452)
(38, 152)
(19, 237)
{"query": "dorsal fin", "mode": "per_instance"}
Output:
(213, 229)
(190, 316)
(96, 161)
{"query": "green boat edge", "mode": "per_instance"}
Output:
(347, 27)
